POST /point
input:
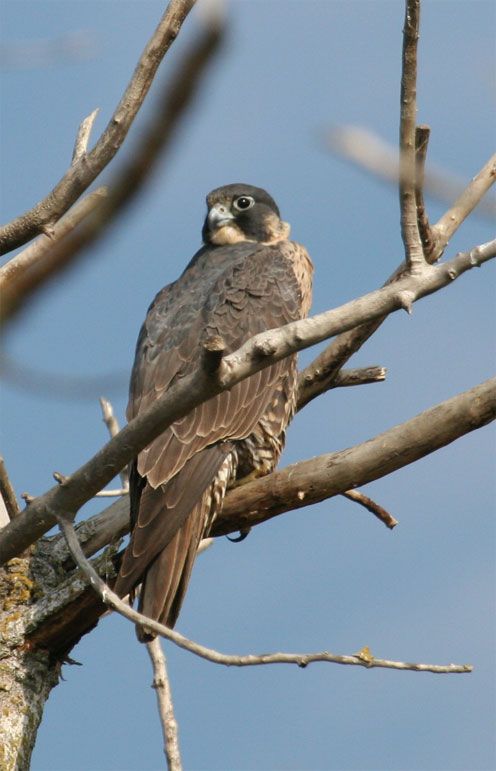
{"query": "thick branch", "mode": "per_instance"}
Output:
(317, 479)
(200, 386)
(314, 480)
(80, 175)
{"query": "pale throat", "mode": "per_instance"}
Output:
(276, 230)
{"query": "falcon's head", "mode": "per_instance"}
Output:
(242, 213)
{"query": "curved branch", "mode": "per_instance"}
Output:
(201, 385)
(82, 173)
(362, 658)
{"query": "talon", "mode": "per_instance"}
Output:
(241, 537)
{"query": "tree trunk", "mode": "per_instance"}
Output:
(45, 608)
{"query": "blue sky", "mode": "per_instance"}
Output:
(326, 577)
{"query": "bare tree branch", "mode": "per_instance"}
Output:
(177, 96)
(25, 260)
(165, 705)
(376, 156)
(450, 221)
(301, 659)
(359, 376)
(83, 137)
(372, 506)
(81, 174)
(422, 134)
(7, 492)
(317, 479)
(113, 428)
(408, 116)
(259, 352)
(319, 375)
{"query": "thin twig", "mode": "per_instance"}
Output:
(7, 492)
(372, 506)
(113, 428)
(117, 493)
(301, 659)
(408, 116)
(165, 705)
(422, 134)
(312, 375)
(83, 137)
(198, 387)
(82, 174)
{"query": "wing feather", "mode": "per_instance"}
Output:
(233, 292)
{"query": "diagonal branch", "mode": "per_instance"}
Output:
(176, 98)
(319, 376)
(33, 254)
(200, 386)
(81, 174)
(449, 223)
(317, 479)
(372, 506)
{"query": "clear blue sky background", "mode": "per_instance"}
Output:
(330, 577)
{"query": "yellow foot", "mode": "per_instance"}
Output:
(261, 471)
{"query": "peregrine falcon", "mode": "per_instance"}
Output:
(247, 278)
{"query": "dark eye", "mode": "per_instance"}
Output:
(244, 202)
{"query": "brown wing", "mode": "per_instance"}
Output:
(234, 292)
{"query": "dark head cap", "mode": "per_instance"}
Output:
(241, 212)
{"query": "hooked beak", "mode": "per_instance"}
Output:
(218, 216)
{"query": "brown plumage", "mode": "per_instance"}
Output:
(247, 278)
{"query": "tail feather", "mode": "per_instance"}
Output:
(167, 578)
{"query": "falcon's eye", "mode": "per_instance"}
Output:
(244, 202)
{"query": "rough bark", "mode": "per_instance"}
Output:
(44, 611)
